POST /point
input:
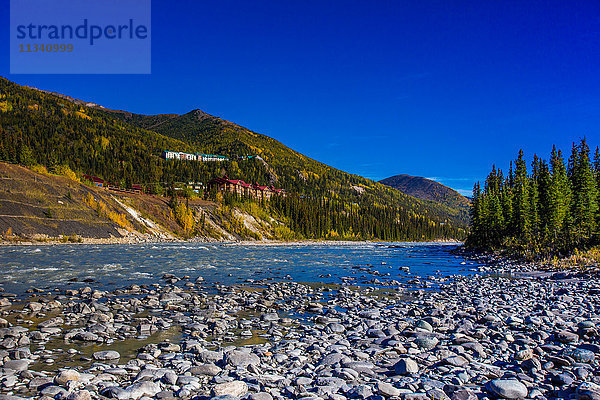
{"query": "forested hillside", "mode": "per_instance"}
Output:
(426, 189)
(41, 128)
(550, 208)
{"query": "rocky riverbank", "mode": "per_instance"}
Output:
(485, 336)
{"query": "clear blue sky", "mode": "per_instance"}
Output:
(374, 88)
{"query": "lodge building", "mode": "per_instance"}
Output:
(245, 189)
(178, 155)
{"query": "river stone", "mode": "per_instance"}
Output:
(566, 337)
(170, 298)
(17, 365)
(39, 382)
(241, 358)
(475, 347)
(507, 388)
(234, 388)
(360, 392)
(523, 355)
(406, 366)
(260, 396)
(387, 390)
(563, 379)
(365, 367)
(370, 314)
(54, 392)
(34, 306)
(334, 327)
(333, 358)
(51, 323)
(205, 369)
(424, 325)
(106, 355)
(209, 356)
(580, 355)
(427, 342)
(456, 361)
(588, 391)
(79, 395)
(66, 375)
(463, 394)
(86, 336)
(139, 389)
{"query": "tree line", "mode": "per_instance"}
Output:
(550, 208)
(326, 218)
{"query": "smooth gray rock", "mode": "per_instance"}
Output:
(241, 358)
(234, 388)
(507, 388)
(406, 366)
(62, 377)
(139, 389)
(106, 355)
(17, 365)
(205, 369)
(387, 389)
(79, 395)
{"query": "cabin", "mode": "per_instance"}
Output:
(96, 181)
(137, 189)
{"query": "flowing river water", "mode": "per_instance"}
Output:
(107, 267)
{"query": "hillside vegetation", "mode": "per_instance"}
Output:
(41, 206)
(427, 189)
(39, 128)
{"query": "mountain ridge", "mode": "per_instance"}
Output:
(428, 189)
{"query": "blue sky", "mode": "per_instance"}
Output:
(380, 88)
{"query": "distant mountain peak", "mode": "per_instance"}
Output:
(427, 189)
(201, 114)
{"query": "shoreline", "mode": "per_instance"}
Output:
(129, 240)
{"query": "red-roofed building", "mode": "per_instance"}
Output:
(242, 188)
(96, 181)
(137, 188)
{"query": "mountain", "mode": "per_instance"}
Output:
(54, 131)
(427, 189)
(288, 168)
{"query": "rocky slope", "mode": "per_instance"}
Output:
(40, 206)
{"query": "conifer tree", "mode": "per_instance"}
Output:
(476, 224)
(559, 196)
(555, 209)
(494, 219)
(534, 197)
(545, 199)
(521, 205)
(585, 193)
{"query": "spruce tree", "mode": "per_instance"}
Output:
(585, 194)
(521, 205)
(475, 238)
(545, 199)
(559, 196)
(534, 217)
